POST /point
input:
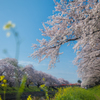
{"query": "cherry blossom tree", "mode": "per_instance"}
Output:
(62, 81)
(39, 79)
(51, 80)
(31, 74)
(11, 61)
(2, 70)
(48, 79)
(8, 67)
(76, 20)
(8, 71)
(89, 65)
(14, 63)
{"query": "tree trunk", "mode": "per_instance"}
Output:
(38, 85)
(27, 85)
(10, 84)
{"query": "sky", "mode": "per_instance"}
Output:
(28, 16)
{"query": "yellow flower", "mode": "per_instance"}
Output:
(1, 78)
(2, 84)
(43, 79)
(29, 97)
(42, 85)
(4, 81)
(8, 25)
(0, 97)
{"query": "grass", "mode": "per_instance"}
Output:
(66, 93)
(30, 89)
(14, 89)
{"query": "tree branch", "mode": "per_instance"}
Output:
(67, 40)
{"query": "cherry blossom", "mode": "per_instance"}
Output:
(77, 20)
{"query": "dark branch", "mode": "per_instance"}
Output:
(64, 42)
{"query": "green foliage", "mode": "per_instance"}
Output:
(68, 93)
(96, 91)
(14, 89)
(21, 89)
(46, 90)
(74, 93)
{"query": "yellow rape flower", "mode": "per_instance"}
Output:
(42, 85)
(8, 25)
(2, 84)
(4, 81)
(1, 78)
(29, 97)
(43, 79)
(0, 97)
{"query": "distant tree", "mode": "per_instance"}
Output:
(62, 81)
(8, 71)
(30, 72)
(79, 81)
(9, 67)
(51, 80)
(73, 21)
(11, 61)
(40, 75)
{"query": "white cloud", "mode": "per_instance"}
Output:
(62, 73)
(24, 63)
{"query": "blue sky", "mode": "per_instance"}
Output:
(28, 16)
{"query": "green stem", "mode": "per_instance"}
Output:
(4, 92)
(16, 79)
(17, 50)
(16, 35)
